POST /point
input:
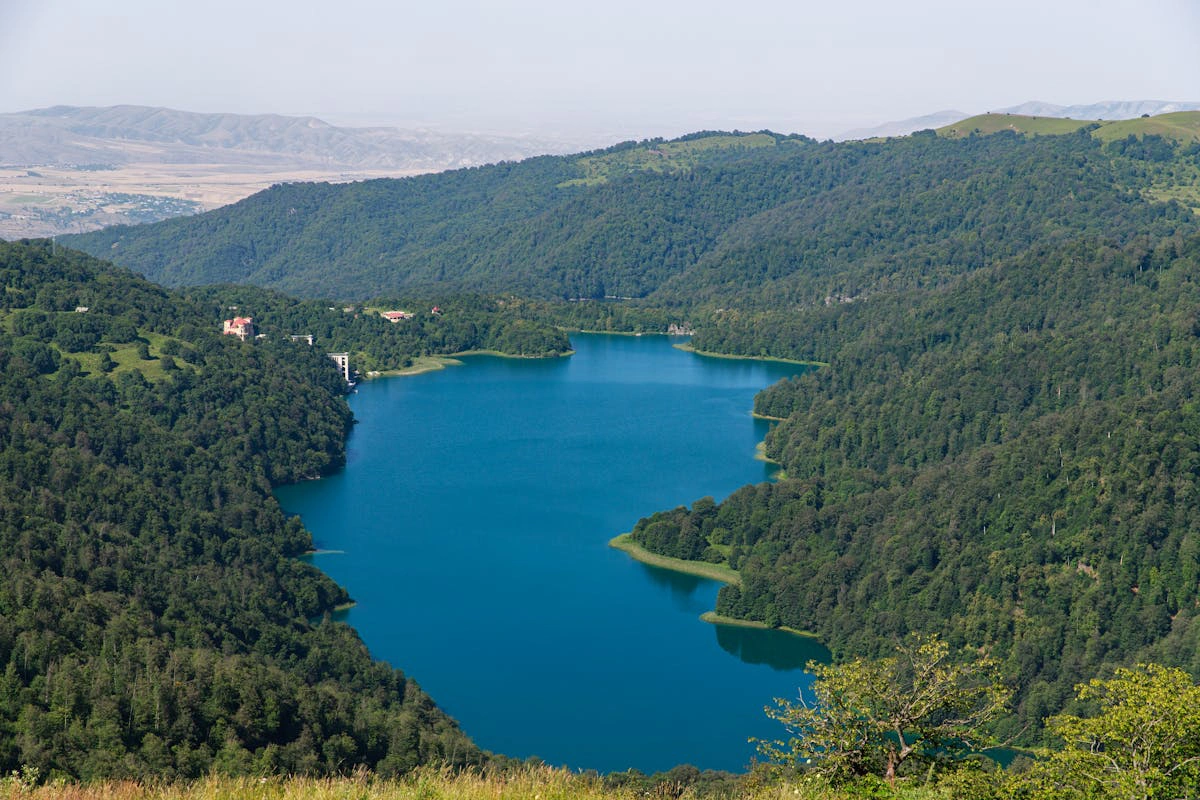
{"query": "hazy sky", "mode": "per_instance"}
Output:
(617, 67)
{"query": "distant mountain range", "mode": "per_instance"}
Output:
(114, 136)
(68, 169)
(1111, 109)
(120, 135)
(903, 127)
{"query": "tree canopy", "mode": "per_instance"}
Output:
(883, 717)
(1140, 739)
(156, 618)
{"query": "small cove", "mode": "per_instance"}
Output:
(472, 522)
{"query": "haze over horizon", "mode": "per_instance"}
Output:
(619, 69)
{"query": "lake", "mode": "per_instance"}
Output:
(471, 524)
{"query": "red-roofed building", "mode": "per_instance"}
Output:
(241, 327)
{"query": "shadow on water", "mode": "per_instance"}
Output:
(778, 650)
(685, 590)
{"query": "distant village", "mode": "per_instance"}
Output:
(244, 329)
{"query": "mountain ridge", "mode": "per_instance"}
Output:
(70, 169)
(1108, 110)
(668, 220)
(65, 135)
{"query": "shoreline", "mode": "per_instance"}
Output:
(760, 454)
(337, 609)
(423, 364)
(420, 366)
(687, 348)
(499, 354)
(624, 333)
(701, 569)
(713, 618)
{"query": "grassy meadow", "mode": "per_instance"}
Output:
(1182, 126)
(663, 157)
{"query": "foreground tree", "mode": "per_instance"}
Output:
(1142, 742)
(879, 717)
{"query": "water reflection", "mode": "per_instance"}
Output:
(778, 650)
(685, 590)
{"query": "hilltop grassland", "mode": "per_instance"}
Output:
(1017, 123)
(1148, 145)
(1181, 126)
(663, 157)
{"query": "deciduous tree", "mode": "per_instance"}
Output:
(1143, 741)
(876, 717)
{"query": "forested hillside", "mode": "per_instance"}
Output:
(550, 226)
(461, 323)
(1003, 446)
(154, 618)
(1009, 460)
(749, 220)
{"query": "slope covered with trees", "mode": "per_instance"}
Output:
(459, 324)
(1003, 446)
(1009, 460)
(750, 220)
(550, 226)
(154, 617)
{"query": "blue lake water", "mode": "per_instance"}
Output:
(471, 526)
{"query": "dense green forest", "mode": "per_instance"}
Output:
(1009, 460)
(1003, 448)
(756, 220)
(154, 617)
(551, 227)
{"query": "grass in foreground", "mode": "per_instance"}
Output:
(526, 783)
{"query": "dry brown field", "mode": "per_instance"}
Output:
(48, 200)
